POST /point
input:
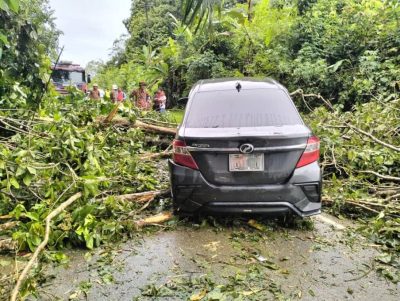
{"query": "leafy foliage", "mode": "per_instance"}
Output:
(346, 50)
(27, 37)
(65, 152)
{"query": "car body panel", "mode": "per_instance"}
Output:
(279, 188)
(192, 192)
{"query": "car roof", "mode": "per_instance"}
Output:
(246, 83)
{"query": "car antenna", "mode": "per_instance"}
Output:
(238, 86)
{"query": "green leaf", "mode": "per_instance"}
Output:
(89, 242)
(14, 182)
(384, 258)
(27, 179)
(18, 210)
(3, 5)
(57, 117)
(33, 216)
(31, 170)
(20, 171)
(13, 5)
(3, 39)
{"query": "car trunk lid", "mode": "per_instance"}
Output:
(281, 147)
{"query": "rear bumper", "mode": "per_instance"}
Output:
(300, 195)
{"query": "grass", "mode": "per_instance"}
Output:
(175, 115)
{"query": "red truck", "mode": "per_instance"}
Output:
(67, 74)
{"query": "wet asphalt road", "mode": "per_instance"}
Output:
(327, 262)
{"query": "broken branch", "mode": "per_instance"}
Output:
(385, 177)
(356, 204)
(155, 155)
(43, 244)
(8, 226)
(155, 128)
(141, 197)
(7, 244)
(393, 147)
(138, 124)
(318, 96)
(112, 114)
(155, 219)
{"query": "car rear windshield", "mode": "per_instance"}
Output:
(247, 108)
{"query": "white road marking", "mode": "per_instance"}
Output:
(329, 221)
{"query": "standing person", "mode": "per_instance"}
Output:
(102, 93)
(107, 94)
(141, 97)
(114, 93)
(94, 94)
(121, 95)
(160, 101)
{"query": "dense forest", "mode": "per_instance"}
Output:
(340, 59)
(347, 51)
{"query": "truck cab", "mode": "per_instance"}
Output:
(66, 74)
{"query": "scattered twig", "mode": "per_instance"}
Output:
(8, 225)
(43, 244)
(366, 203)
(393, 197)
(393, 147)
(385, 177)
(7, 244)
(357, 204)
(301, 93)
(156, 122)
(372, 267)
(141, 197)
(151, 156)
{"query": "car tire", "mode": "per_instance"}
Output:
(288, 220)
(176, 207)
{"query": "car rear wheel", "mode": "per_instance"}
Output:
(176, 207)
(288, 220)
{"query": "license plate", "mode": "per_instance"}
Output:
(246, 162)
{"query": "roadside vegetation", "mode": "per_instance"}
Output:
(340, 59)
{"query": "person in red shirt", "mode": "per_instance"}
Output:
(117, 95)
(121, 95)
(160, 101)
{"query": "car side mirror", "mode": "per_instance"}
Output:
(89, 80)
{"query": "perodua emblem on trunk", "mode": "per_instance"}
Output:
(246, 148)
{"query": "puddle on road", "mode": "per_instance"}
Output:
(174, 265)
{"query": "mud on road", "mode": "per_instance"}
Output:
(234, 262)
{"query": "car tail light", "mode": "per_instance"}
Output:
(182, 156)
(311, 153)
